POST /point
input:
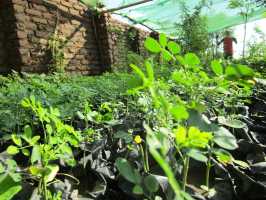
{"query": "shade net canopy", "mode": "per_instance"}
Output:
(164, 15)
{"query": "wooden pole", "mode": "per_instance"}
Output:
(125, 6)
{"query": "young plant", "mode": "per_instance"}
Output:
(176, 111)
(57, 144)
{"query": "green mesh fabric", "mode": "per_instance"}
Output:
(163, 15)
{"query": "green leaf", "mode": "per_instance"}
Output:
(217, 68)
(16, 139)
(192, 60)
(224, 138)
(173, 47)
(241, 163)
(139, 72)
(231, 71)
(25, 152)
(15, 176)
(166, 55)
(49, 129)
(150, 72)
(36, 154)
(137, 190)
(233, 123)
(11, 165)
(151, 184)
(36, 171)
(163, 40)
(245, 71)
(80, 115)
(152, 45)
(8, 187)
(51, 172)
(12, 150)
(124, 135)
(179, 112)
(34, 140)
(2, 168)
(223, 156)
(197, 155)
(126, 170)
(27, 133)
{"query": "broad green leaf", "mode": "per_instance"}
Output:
(16, 139)
(224, 138)
(126, 170)
(49, 129)
(80, 115)
(37, 170)
(12, 150)
(231, 71)
(233, 123)
(137, 189)
(36, 154)
(8, 187)
(151, 184)
(245, 71)
(2, 168)
(179, 112)
(51, 172)
(223, 156)
(163, 40)
(192, 59)
(25, 152)
(166, 55)
(180, 59)
(27, 133)
(197, 155)
(181, 136)
(11, 165)
(152, 45)
(35, 139)
(241, 163)
(15, 176)
(124, 135)
(173, 47)
(217, 68)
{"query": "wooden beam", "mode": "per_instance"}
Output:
(125, 6)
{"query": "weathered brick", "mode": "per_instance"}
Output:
(41, 34)
(20, 2)
(21, 34)
(19, 8)
(39, 20)
(66, 4)
(33, 12)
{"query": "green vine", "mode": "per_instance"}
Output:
(56, 45)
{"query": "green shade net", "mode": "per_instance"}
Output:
(164, 15)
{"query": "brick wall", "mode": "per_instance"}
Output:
(8, 42)
(2, 48)
(123, 40)
(92, 46)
